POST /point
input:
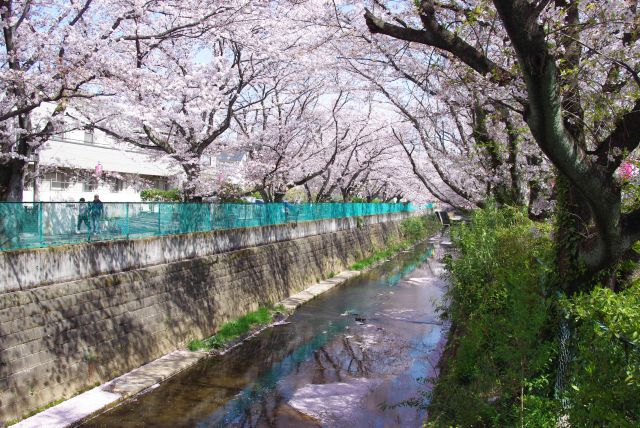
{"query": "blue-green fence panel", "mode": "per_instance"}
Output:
(44, 224)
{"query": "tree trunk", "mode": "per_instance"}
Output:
(265, 196)
(573, 217)
(189, 188)
(12, 176)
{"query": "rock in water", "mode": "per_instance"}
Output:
(333, 403)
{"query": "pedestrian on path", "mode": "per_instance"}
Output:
(96, 210)
(83, 215)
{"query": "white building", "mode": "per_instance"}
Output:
(226, 166)
(81, 163)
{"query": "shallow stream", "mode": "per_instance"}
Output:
(345, 359)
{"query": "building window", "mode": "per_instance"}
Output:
(161, 183)
(59, 180)
(89, 136)
(90, 185)
(118, 185)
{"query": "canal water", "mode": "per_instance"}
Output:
(349, 358)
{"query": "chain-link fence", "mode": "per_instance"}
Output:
(44, 224)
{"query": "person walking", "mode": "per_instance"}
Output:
(96, 210)
(83, 216)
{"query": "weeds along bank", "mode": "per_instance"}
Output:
(412, 230)
(501, 360)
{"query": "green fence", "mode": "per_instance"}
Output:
(44, 224)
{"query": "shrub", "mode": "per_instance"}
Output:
(501, 365)
(502, 334)
(605, 374)
(415, 228)
(158, 195)
(233, 329)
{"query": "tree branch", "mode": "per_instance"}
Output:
(439, 37)
(624, 139)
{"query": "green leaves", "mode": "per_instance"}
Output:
(154, 195)
(503, 339)
(236, 328)
(606, 370)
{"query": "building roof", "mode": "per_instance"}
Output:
(81, 156)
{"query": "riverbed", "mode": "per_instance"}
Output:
(356, 356)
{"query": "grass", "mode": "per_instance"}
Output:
(412, 230)
(236, 328)
(49, 405)
(36, 411)
(380, 255)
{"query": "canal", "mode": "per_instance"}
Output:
(350, 358)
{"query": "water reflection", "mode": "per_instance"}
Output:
(342, 358)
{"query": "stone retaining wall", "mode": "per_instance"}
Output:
(61, 338)
(25, 269)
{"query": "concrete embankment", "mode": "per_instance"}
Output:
(81, 315)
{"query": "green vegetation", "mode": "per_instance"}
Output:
(500, 364)
(35, 411)
(605, 382)
(236, 328)
(158, 195)
(51, 404)
(412, 229)
(364, 200)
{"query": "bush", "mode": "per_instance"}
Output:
(158, 195)
(501, 364)
(415, 228)
(605, 381)
(502, 337)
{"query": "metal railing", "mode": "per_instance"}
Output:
(45, 224)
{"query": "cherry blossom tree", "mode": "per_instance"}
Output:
(356, 168)
(57, 52)
(573, 87)
(176, 96)
(294, 136)
(48, 53)
(570, 70)
(182, 106)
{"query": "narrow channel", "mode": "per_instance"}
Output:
(347, 358)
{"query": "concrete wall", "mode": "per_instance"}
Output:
(25, 269)
(82, 329)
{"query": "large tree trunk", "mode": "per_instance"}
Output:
(12, 176)
(189, 188)
(265, 195)
(512, 159)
